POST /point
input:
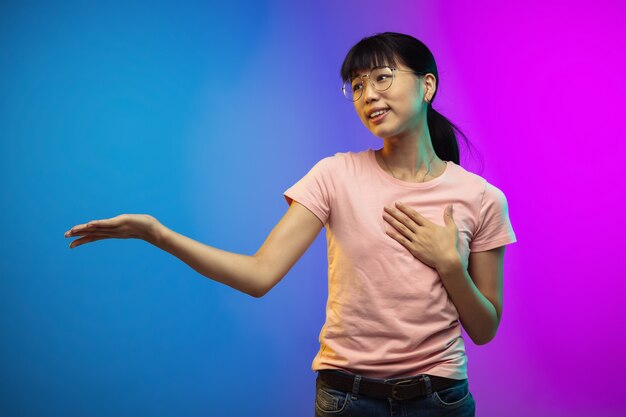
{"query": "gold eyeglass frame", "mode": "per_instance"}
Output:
(393, 72)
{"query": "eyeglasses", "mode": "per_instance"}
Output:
(380, 78)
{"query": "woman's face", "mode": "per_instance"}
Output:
(404, 101)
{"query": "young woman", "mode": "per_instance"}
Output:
(405, 266)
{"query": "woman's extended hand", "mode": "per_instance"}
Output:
(428, 242)
(124, 226)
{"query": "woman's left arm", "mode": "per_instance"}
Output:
(476, 291)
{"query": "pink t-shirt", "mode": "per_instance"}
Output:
(388, 314)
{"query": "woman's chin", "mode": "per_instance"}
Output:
(381, 132)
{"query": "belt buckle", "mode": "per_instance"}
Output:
(395, 394)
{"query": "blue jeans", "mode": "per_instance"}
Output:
(454, 401)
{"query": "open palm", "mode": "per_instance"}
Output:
(124, 226)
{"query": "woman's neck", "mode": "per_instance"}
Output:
(411, 158)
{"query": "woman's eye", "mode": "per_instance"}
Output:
(381, 78)
(356, 87)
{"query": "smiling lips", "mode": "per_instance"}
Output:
(378, 113)
(378, 116)
(370, 112)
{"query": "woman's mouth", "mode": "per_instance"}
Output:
(379, 117)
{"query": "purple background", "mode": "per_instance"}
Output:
(202, 114)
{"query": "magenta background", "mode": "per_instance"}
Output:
(541, 86)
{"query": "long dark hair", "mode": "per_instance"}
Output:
(386, 49)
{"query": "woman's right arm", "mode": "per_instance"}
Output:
(254, 275)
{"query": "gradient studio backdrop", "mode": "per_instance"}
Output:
(203, 114)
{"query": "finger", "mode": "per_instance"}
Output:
(412, 214)
(401, 227)
(403, 218)
(82, 230)
(400, 239)
(87, 239)
(76, 227)
(99, 224)
(112, 222)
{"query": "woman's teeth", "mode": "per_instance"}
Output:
(378, 113)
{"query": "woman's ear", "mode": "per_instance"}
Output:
(430, 86)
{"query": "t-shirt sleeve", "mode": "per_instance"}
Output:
(315, 190)
(494, 225)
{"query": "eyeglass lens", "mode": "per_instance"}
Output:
(381, 78)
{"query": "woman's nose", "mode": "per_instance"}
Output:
(370, 92)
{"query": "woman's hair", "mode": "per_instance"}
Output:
(386, 49)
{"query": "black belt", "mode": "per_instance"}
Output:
(401, 390)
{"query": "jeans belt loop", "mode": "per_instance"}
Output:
(427, 382)
(355, 386)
